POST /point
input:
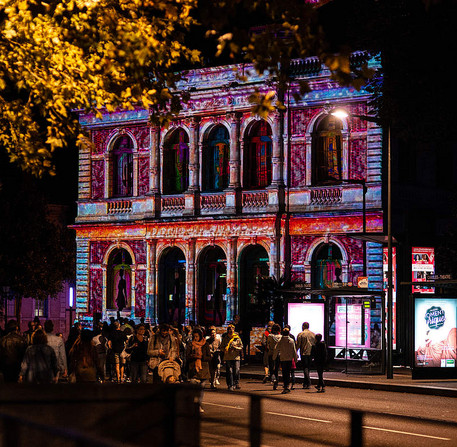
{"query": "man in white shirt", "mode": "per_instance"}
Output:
(305, 341)
(58, 345)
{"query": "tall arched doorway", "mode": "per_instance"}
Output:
(212, 286)
(326, 266)
(253, 265)
(172, 286)
(119, 280)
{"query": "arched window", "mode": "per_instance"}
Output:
(216, 160)
(123, 167)
(257, 159)
(176, 163)
(119, 279)
(327, 266)
(327, 151)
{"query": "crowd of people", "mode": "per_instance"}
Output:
(122, 351)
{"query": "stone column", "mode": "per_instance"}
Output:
(233, 192)
(232, 293)
(151, 281)
(276, 189)
(191, 301)
(154, 171)
(192, 195)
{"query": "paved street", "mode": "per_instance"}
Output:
(298, 421)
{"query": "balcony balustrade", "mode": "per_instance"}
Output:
(119, 207)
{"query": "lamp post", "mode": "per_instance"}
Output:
(341, 113)
(71, 298)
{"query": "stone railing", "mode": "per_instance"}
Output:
(173, 203)
(119, 207)
(212, 202)
(326, 196)
(258, 199)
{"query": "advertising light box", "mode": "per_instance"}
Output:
(352, 326)
(435, 333)
(313, 313)
(423, 264)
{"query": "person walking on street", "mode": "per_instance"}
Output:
(137, 347)
(116, 343)
(163, 347)
(231, 348)
(319, 355)
(214, 343)
(305, 342)
(273, 362)
(285, 350)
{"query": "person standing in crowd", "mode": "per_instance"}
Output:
(58, 345)
(12, 349)
(294, 362)
(75, 330)
(305, 342)
(214, 343)
(198, 356)
(285, 350)
(243, 329)
(83, 358)
(137, 347)
(263, 343)
(319, 355)
(162, 347)
(40, 362)
(116, 343)
(29, 332)
(231, 348)
(273, 362)
(100, 342)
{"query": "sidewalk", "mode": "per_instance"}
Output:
(401, 382)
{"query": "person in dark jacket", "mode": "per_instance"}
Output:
(137, 347)
(12, 349)
(40, 361)
(319, 355)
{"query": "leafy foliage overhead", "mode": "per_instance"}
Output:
(58, 56)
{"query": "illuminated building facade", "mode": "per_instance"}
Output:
(178, 223)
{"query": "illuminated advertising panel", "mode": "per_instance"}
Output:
(313, 313)
(435, 333)
(385, 268)
(423, 264)
(352, 329)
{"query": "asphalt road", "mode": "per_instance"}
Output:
(308, 418)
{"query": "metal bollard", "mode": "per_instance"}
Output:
(356, 429)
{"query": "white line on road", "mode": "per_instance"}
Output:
(407, 433)
(220, 405)
(298, 417)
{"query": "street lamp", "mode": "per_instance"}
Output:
(71, 299)
(342, 114)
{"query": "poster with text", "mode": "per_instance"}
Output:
(423, 264)
(355, 325)
(385, 269)
(435, 333)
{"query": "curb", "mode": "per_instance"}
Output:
(398, 388)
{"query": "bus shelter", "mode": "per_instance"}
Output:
(352, 322)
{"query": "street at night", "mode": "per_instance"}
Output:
(298, 421)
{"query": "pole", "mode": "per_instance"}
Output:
(389, 259)
(364, 228)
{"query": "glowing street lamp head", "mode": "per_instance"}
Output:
(340, 113)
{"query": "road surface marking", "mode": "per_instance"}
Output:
(298, 417)
(407, 433)
(224, 406)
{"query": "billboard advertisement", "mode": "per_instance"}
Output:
(435, 333)
(313, 313)
(423, 264)
(352, 325)
(385, 268)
